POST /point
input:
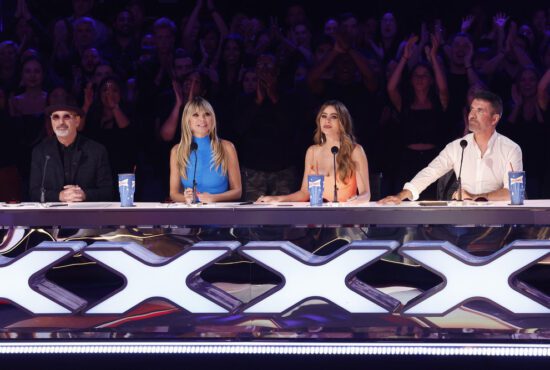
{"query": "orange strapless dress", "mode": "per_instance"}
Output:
(346, 189)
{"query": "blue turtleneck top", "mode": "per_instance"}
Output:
(209, 179)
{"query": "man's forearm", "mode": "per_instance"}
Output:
(500, 194)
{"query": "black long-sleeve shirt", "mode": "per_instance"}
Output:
(89, 169)
(265, 133)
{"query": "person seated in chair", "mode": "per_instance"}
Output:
(69, 167)
(488, 157)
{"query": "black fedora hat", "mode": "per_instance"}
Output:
(68, 107)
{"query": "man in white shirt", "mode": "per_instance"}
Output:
(488, 156)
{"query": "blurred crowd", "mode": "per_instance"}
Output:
(407, 87)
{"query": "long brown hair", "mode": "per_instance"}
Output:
(344, 164)
(219, 159)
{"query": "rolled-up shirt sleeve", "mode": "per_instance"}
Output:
(442, 164)
(515, 163)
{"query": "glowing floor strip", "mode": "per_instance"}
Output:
(270, 348)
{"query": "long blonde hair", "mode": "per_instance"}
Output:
(183, 151)
(344, 163)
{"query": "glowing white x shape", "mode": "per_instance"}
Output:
(24, 282)
(148, 276)
(307, 276)
(467, 277)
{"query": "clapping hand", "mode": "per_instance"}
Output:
(499, 20)
(408, 49)
(467, 23)
(431, 52)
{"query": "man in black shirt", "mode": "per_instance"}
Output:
(264, 130)
(69, 167)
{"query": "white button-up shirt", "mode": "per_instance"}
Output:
(479, 174)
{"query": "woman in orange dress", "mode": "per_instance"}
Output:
(334, 129)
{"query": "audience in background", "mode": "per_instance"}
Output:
(133, 65)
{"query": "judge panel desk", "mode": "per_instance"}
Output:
(417, 278)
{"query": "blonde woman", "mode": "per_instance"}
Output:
(217, 173)
(334, 128)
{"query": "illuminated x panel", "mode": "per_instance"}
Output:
(24, 282)
(148, 276)
(467, 277)
(330, 278)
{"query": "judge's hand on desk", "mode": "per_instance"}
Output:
(397, 198)
(72, 193)
(269, 199)
(206, 197)
(469, 196)
(202, 197)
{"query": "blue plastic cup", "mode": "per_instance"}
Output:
(315, 185)
(516, 185)
(126, 188)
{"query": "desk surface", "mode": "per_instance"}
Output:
(534, 212)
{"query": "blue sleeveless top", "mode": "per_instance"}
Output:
(209, 178)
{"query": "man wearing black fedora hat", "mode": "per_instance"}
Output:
(69, 167)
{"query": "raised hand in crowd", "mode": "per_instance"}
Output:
(543, 93)
(409, 46)
(268, 85)
(208, 64)
(275, 31)
(377, 48)
(342, 46)
(439, 30)
(432, 51)
(395, 78)
(22, 10)
(473, 77)
(88, 96)
(499, 21)
(61, 41)
(266, 71)
(260, 93)
(165, 69)
(516, 97)
(169, 127)
(192, 87)
(514, 47)
(492, 65)
(178, 92)
(439, 73)
(415, 51)
(466, 23)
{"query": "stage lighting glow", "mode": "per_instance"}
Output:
(272, 348)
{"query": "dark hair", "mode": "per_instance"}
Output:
(104, 62)
(460, 34)
(491, 98)
(237, 39)
(234, 37)
(207, 28)
(33, 58)
(525, 69)
(180, 53)
(117, 81)
(96, 110)
(345, 16)
(164, 23)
